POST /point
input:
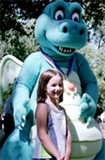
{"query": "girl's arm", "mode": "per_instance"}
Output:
(68, 145)
(68, 141)
(41, 117)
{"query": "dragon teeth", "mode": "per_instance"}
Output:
(65, 50)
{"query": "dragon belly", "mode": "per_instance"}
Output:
(86, 140)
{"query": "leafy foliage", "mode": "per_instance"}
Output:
(8, 93)
(11, 10)
(19, 45)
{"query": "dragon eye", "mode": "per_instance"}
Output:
(59, 15)
(75, 17)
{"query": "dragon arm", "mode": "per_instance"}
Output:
(87, 77)
(23, 87)
(89, 89)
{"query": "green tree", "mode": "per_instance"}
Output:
(18, 45)
(11, 10)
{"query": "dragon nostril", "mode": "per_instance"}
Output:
(81, 32)
(65, 29)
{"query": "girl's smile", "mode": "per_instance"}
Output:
(54, 88)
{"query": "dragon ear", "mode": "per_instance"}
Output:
(9, 70)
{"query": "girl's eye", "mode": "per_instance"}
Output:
(75, 17)
(59, 15)
(53, 85)
(60, 85)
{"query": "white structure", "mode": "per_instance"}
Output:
(9, 70)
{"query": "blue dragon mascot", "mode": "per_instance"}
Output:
(60, 31)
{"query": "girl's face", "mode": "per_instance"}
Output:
(54, 88)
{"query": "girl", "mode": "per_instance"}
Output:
(54, 139)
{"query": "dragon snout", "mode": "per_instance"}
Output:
(68, 28)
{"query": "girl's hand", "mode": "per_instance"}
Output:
(66, 157)
(60, 157)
